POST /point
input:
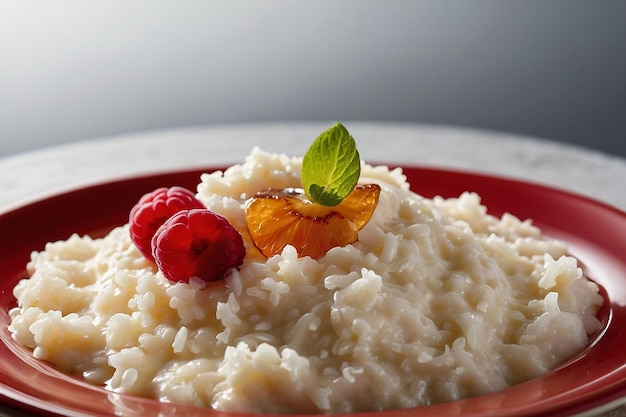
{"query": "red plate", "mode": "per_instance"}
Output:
(595, 232)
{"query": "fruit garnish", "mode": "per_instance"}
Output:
(197, 243)
(328, 212)
(153, 209)
(277, 218)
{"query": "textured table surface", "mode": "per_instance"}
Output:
(30, 175)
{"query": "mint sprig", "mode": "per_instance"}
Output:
(331, 167)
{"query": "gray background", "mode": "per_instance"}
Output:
(78, 69)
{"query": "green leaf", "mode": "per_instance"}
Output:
(331, 167)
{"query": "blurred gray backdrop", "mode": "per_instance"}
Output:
(77, 69)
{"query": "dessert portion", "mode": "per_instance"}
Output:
(307, 285)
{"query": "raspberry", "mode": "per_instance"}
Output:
(197, 243)
(153, 209)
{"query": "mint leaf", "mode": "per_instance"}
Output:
(331, 167)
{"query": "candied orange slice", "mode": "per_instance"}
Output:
(277, 218)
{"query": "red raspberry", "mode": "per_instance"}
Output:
(153, 209)
(197, 243)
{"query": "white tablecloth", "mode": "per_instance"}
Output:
(600, 176)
